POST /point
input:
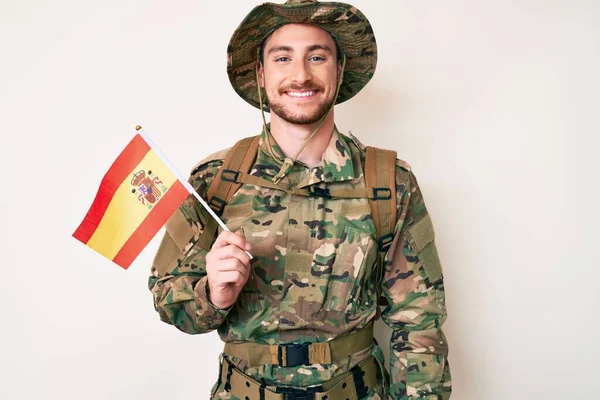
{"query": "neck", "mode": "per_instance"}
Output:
(291, 137)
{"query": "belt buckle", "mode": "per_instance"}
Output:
(296, 354)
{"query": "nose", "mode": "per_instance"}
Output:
(301, 72)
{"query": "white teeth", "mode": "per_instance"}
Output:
(301, 94)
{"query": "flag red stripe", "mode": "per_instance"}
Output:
(157, 217)
(121, 169)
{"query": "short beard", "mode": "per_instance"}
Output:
(301, 119)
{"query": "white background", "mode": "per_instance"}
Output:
(494, 104)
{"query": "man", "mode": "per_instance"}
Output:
(297, 318)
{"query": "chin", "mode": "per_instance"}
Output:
(303, 119)
(299, 115)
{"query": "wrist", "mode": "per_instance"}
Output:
(217, 306)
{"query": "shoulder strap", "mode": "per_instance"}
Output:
(222, 188)
(380, 173)
(239, 159)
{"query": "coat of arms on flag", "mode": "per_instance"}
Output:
(147, 187)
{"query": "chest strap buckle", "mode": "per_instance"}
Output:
(315, 191)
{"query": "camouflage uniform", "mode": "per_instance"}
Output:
(314, 276)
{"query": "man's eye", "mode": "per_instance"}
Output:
(282, 59)
(317, 58)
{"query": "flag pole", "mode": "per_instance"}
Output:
(183, 181)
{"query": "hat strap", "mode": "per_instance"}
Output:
(262, 113)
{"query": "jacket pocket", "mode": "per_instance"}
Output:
(421, 237)
(424, 371)
(348, 271)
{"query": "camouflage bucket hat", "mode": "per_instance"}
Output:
(348, 26)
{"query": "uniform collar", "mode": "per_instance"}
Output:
(335, 166)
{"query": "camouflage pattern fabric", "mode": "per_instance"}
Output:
(314, 278)
(349, 27)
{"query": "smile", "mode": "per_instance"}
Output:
(299, 94)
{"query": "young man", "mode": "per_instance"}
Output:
(297, 318)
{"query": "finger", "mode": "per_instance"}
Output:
(226, 238)
(232, 264)
(235, 277)
(232, 251)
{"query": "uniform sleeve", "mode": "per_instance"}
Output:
(178, 279)
(414, 289)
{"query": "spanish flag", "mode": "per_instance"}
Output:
(138, 194)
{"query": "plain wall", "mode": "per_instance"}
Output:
(495, 104)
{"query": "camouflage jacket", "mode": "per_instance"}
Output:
(314, 276)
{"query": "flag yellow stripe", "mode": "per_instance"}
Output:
(125, 212)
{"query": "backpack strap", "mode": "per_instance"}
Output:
(224, 185)
(380, 173)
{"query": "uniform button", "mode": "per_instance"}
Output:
(247, 384)
(344, 385)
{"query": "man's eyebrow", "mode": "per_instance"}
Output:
(313, 47)
(323, 47)
(279, 48)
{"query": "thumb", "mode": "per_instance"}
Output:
(240, 232)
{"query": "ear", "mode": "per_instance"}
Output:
(261, 75)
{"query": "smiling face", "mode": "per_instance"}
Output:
(299, 73)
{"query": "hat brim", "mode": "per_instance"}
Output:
(349, 26)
